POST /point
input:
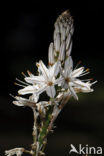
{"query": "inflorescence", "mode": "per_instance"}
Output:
(59, 80)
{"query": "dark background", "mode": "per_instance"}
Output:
(26, 31)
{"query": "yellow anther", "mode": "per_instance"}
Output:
(23, 73)
(87, 69)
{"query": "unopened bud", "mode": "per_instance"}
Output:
(51, 54)
(62, 51)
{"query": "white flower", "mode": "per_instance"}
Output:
(31, 89)
(17, 151)
(24, 102)
(40, 106)
(44, 82)
(85, 89)
(70, 78)
(27, 88)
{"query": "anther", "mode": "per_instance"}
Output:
(15, 83)
(23, 74)
(29, 73)
(87, 69)
(91, 79)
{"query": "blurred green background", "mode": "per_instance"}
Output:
(26, 31)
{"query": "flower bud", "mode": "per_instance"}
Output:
(51, 54)
(62, 52)
(62, 35)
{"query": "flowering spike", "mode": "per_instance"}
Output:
(59, 80)
(63, 35)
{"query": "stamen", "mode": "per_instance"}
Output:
(29, 73)
(22, 82)
(12, 95)
(94, 82)
(23, 74)
(19, 84)
(84, 73)
(87, 79)
(87, 70)
(77, 64)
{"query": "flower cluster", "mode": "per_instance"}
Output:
(59, 80)
(60, 72)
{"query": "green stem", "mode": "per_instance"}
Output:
(44, 130)
(34, 133)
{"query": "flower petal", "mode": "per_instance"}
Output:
(41, 90)
(77, 72)
(86, 90)
(17, 103)
(59, 80)
(26, 90)
(23, 102)
(51, 92)
(68, 66)
(73, 93)
(81, 84)
(35, 79)
(56, 68)
(43, 69)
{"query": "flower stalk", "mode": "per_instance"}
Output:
(59, 81)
